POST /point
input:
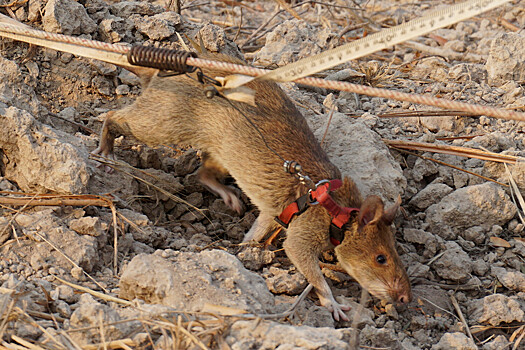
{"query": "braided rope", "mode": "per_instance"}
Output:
(251, 71)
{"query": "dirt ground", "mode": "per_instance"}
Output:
(161, 265)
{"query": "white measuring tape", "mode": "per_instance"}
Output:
(434, 20)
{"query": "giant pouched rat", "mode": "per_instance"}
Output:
(249, 143)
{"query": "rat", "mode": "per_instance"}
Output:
(249, 143)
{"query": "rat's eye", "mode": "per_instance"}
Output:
(381, 259)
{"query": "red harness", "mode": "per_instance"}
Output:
(321, 195)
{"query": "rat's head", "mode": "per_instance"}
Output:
(368, 252)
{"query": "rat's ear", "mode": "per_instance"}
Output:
(371, 210)
(390, 213)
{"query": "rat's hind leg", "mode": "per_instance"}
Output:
(262, 225)
(210, 173)
(107, 137)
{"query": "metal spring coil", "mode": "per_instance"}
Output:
(160, 58)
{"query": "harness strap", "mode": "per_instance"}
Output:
(321, 195)
(297, 207)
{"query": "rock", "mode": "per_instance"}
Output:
(112, 29)
(89, 315)
(125, 9)
(431, 194)
(13, 89)
(122, 90)
(504, 63)
(433, 68)
(215, 40)
(153, 27)
(35, 10)
(359, 153)
(486, 204)
(454, 264)
(138, 219)
(254, 258)
(280, 281)
(90, 226)
(423, 168)
(67, 17)
(495, 309)
(493, 141)
(103, 85)
(499, 343)
(34, 149)
(380, 337)
(103, 67)
(186, 163)
(513, 280)
(455, 341)
(291, 41)
(128, 78)
(273, 335)
(190, 280)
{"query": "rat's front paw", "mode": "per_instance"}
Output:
(336, 309)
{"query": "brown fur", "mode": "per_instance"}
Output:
(174, 110)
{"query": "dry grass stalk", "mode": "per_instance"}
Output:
(25, 343)
(410, 114)
(95, 293)
(462, 317)
(115, 344)
(515, 193)
(27, 199)
(453, 150)
(288, 9)
(519, 334)
(451, 166)
(448, 53)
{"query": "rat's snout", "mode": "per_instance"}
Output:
(401, 293)
(404, 298)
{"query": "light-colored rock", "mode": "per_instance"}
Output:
(513, 280)
(35, 149)
(67, 17)
(499, 343)
(431, 194)
(485, 204)
(112, 29)
(153, 27)
(14, 91)
(89, 225)
(495, 309)
(190, 280)
(504, 62)
(89, 316)
(291, 41)
(125, 9)
(254, 258)
(215, 40)
(455, 341)
(454, 264)
(359, 153)
(380, 338)
(128, 78)
(282, 282)
(273, 335)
